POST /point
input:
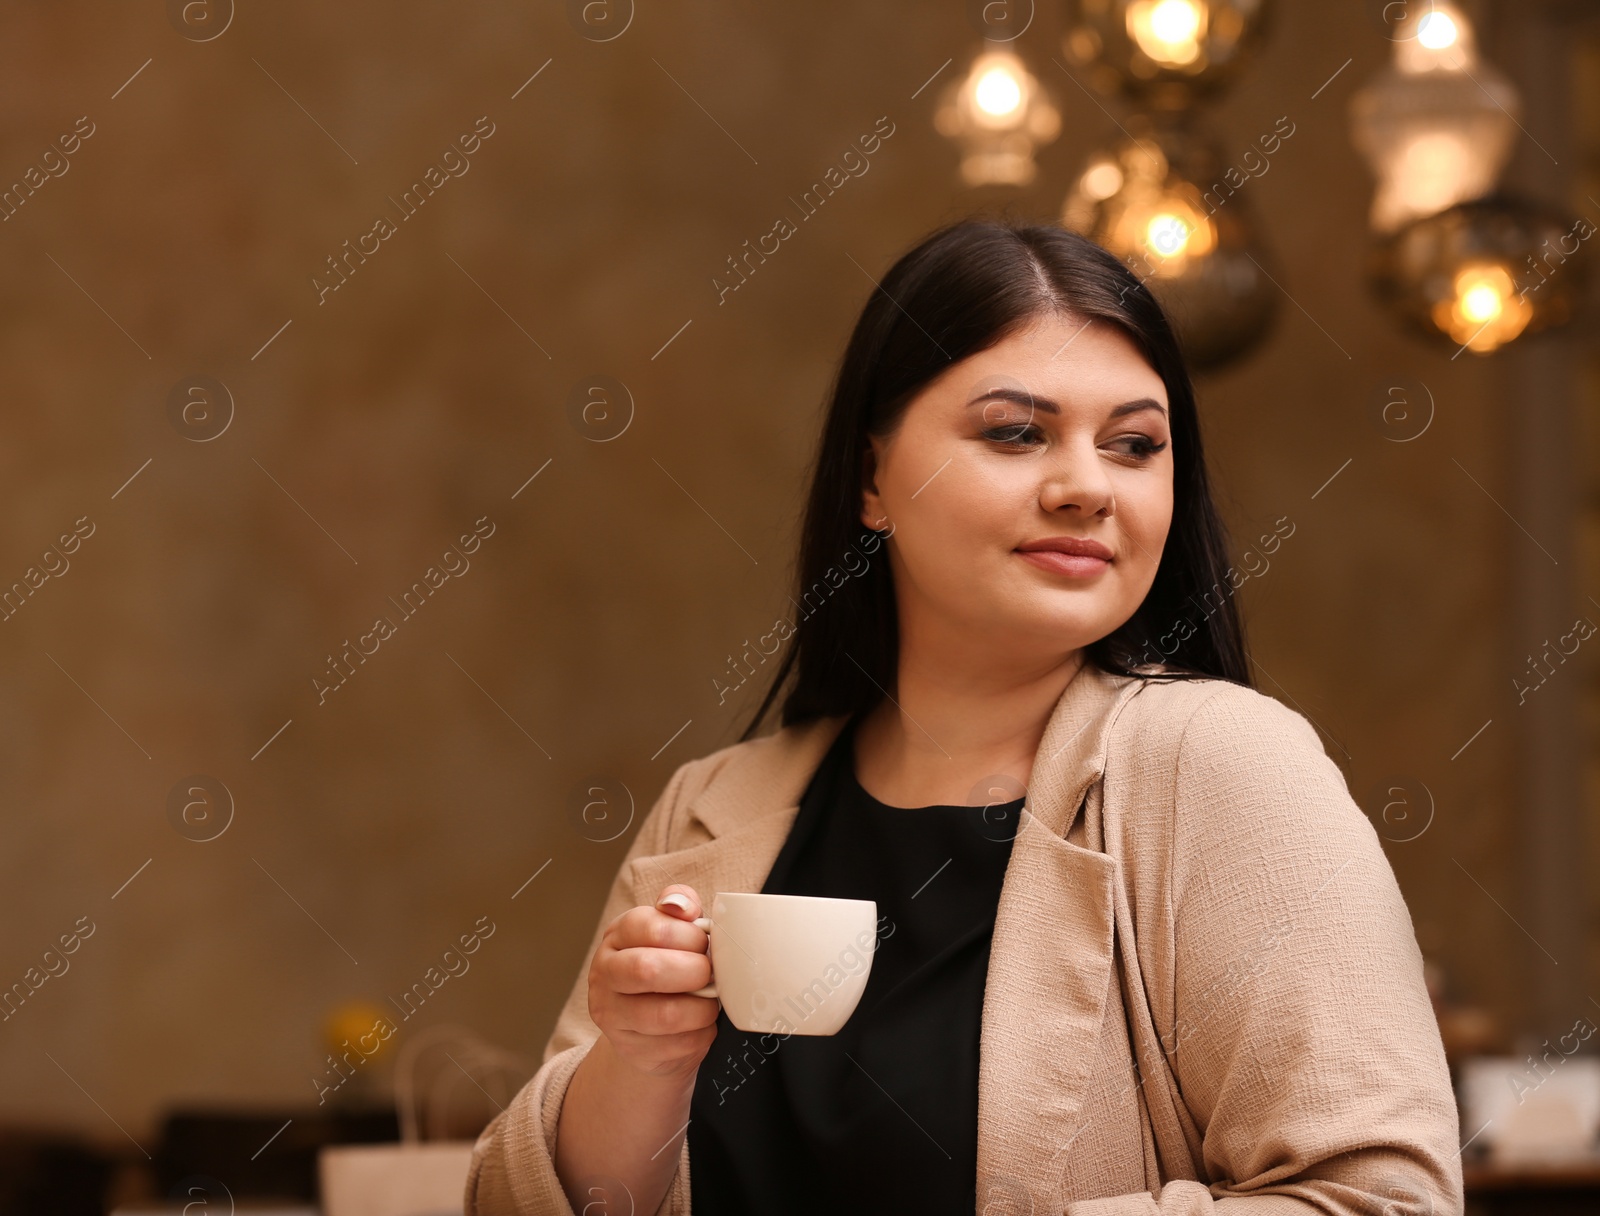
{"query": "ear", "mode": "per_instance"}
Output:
(872, 508)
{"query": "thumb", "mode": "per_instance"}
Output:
(679, 901)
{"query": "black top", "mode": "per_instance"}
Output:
(883, 1116)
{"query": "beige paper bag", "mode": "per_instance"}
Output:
(426, 1179)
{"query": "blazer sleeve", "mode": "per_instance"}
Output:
(1297, 1022)
(512, 1172)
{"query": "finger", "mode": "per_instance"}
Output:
(663, 1014)
(649, 969)
(680, 900)
(648, 927)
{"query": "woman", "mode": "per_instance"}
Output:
(1139, 950)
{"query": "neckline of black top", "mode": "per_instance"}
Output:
(846, 759)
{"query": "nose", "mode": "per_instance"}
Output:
(1074, 476)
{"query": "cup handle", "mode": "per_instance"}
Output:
(704, 922)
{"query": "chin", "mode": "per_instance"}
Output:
(1056, 628)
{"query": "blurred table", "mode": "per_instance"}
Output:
(258, 1156)
(1566, 1189)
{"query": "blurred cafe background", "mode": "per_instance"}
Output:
(510, 325)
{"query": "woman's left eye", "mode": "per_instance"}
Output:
(1142, 446)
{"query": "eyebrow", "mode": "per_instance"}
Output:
(1050, 407)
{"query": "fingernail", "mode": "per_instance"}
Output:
(680, 902)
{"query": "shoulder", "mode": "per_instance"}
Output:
(1236, 789)
(1189, 720)
(1211, 750)
(1241, 774)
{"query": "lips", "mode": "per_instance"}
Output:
(1072, 556)
(1080, 546)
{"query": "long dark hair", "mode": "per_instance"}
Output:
(962, 289)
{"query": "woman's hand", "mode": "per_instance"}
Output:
(630, 1095)
(648, 963)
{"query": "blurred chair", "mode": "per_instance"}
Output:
(45, 1172)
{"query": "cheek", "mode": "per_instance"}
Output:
(975, 510)
(956, 525)
(1144, 511)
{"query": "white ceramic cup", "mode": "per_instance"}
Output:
(789, 964)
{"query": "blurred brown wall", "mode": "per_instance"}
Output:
(422, 395)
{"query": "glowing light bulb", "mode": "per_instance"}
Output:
(1168, 31)
(1485, 310)
(1482, 302)
(1436, 31)
(1440, 39)
(1166, 234)
(1173, 229)
(998, 92)
(1175, 21)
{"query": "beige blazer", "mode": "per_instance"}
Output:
(1204, 991)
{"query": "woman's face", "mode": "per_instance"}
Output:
(1058, 432)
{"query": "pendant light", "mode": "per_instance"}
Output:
(1163, 54)
(1457, 259)
(1000, 114)
(1158, 201)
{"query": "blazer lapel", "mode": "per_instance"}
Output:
(1050, 961)
(735, 826)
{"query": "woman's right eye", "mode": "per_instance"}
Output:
(1013, 434)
